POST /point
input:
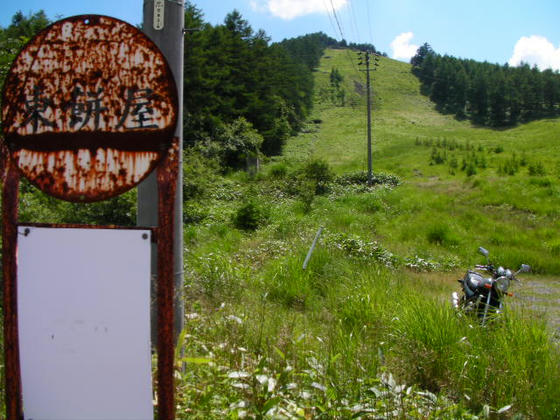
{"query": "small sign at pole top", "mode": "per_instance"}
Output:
(159, 14)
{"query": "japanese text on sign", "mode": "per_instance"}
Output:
(86, 108)
(159, 7)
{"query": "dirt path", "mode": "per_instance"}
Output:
(542, 295)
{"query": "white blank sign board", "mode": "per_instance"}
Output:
(84, 323)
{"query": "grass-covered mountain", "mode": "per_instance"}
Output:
(461, 184)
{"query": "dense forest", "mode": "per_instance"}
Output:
(488, 94)
(236, 82)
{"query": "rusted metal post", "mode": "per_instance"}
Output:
(9, 267)
(163, 22)
(167, 185)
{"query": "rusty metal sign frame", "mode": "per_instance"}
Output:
(166, 166)
(167, 174)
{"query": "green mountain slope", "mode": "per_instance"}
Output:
(464, 186)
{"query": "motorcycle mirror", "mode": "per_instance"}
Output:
(483, 251)
(525, 268)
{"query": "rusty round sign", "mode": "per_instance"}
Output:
(89, 108)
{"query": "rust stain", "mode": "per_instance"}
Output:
(89, 108)
(167, 184)
(12, 376)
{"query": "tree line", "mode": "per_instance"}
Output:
(488, 94)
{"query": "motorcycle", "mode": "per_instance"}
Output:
(483, 296)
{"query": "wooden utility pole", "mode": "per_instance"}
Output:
(368, 88)
(163, 23)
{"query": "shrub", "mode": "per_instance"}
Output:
(194, 212)
(278, 171)
(441, 234)
(306, 194)
(537, 169)
(471, 169)
(361, 178)
(199, 172)
(318, 171)
(250, 216)
(554, 248)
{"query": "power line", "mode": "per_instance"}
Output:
(328, 13)
(354, 20)
(369, 21)
(336, 18)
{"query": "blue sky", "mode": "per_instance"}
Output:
(497, 31)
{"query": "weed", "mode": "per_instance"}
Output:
(441, 234)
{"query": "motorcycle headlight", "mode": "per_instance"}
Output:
(509, 274)
(502, 284)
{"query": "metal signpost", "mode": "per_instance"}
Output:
(163, 23)
(89, 110)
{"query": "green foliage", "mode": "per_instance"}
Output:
(537, 169)
(442, 350)
(278, 170)
(36, 206)
(361, 178)
(510, 166)
(319, 173)
(336, 94)
(441, 234)
(238, 141)
(233, 72)
(488, 94)
(306, 193)
(250, 215)
(14, 37)
(199, 173)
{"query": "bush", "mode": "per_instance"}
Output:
(441, 234)
(537, 169)
(361, 178)
(278, 171)
(319, 171)
(199, 172)
(194, 212)
(250, 216)
(306, 194)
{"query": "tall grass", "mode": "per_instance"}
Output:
(512, 361)
(331, 334)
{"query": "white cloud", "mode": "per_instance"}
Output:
(290, 9)
(537, 50)
(402, 48)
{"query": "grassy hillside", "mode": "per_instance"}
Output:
(515, 215)
(268, 338)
